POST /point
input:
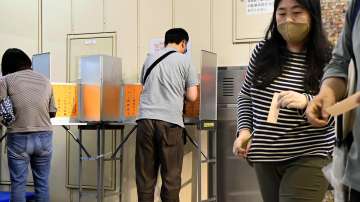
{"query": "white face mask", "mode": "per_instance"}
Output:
(294, 32)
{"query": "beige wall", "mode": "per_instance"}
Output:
(19, 26)
(43, 25)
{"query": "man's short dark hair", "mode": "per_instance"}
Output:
(14, 60)
(176, 35)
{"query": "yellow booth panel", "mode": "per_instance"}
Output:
(66, 99)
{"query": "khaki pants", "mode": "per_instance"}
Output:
(159, 144)
(296, 180)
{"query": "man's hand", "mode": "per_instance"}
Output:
(292, 100)
(316, 110)
(242, 143)
(332, 90)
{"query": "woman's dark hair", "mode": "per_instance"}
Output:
(14, 60)
(176, 35)
(318, 50)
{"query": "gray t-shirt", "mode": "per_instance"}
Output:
(163, 94)
(338, 67)
(32, 98)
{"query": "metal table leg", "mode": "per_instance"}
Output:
(98, 165)
(100, 156)
(77, 140)
(199, 167)
(80, 165)
(102, 163)
(217, 170)
(121, 164)
(212, 166)
(118, 148)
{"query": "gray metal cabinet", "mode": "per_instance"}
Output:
(236, 178)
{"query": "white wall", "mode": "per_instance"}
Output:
(42, 25)
(19, 25)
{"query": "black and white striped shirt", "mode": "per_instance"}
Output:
(292, 136)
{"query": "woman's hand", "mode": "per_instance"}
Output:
(242, 143)
(292, 100)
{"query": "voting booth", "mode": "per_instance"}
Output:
(100, 78)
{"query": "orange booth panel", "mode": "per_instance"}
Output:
(90, 102)
(111, 102)
(131, 100)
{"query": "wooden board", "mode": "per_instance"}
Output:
(345, 105)
(274, 110)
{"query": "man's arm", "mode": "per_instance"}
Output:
(191, 93)
(191, 81)
(332, 89)
(334, 86)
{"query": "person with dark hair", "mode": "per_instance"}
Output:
(176, 35)
(286, 66)
(337, 75)
(167, 76)
(14, 60)
(29, 137)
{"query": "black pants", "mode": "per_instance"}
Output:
(159, 144)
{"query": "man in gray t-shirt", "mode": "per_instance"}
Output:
(160, 123)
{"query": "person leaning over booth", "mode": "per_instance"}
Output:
(288, 154)
(159, 138)
(333, 89)
(29, 137)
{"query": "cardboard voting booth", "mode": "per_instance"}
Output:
(123, 102)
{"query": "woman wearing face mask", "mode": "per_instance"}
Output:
(287, 155)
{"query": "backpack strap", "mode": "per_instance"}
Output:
(148, 71)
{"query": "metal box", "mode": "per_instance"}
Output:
(41, 64)
(100, 79)
(229, 83)
(208, 90)
(230, 80)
